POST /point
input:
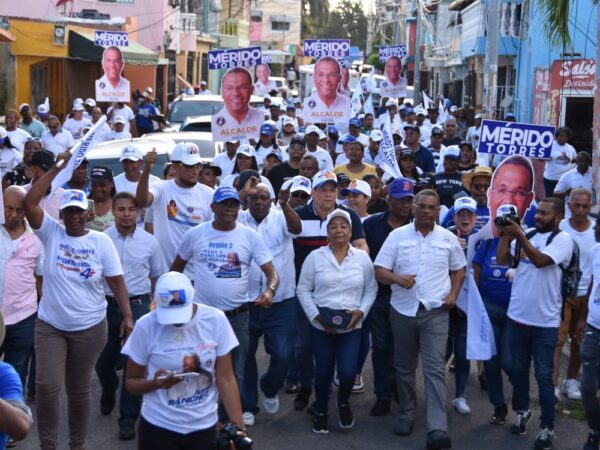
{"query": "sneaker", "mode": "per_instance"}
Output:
(592, 443)
(520, 424)
(359, 386)
(544, 439)
(346, 419)
(291, 388)
(499, 417)
(126, 432)
(271, 404)
(437, 440)
(107, 403)
(248, 419)
(556, 395)
(571, 389)
(380, 408)
(301, 400)
(461, 406)
(320, 423)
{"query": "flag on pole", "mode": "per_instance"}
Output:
(388, 161)
(427, 101)
(368, 106)
(78, 153)
(481, 344)
(355, 101)
(442, 112)
(371, 83)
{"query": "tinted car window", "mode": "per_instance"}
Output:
(207, 148)
(181, 110)
(196, 127)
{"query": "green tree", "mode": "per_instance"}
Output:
(315, 14)
(348, 21)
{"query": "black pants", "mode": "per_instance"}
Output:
(151, 437)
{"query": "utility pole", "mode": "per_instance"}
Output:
(417, 72)
(491, 59)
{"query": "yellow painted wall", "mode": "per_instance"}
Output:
(36, 39)
(23, 80)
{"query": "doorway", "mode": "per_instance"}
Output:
(579, 114)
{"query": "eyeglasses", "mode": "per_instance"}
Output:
(300, 195)
(479, 187)
(519, 194)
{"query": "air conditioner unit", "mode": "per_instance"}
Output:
(59, 37)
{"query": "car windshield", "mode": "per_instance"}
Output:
(198, 126)
(181, 110)
(207, 148)
(117, 167)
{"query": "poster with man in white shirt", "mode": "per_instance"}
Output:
(112, 86)
(394, 85)
(263, 85)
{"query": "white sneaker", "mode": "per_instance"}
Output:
(271, 404)
(461, 406)
(556, 395)
(248, 419)
(571, 389)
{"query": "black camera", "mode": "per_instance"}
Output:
(506, 213)
(229, 435)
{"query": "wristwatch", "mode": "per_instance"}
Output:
(273, 290)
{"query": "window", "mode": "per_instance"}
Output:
(280, 26)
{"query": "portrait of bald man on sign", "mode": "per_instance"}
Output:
(237, 119)
(326, 104)
(112, 87)
(394, 84)
(263, 85)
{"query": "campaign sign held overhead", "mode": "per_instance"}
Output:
(337, 48)
(111, 38)
(237, 57)
(386, 53)
(512, 138)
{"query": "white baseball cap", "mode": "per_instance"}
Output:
(390, 102)
(79, 107)
(247, 150)
(358, 187)
(300, 183)
(453, 108)
(42, 109)
(323, 177)
(479, 116)
(90, 102)
(312, 129)
(173, 295)
(149, 90)
(73, 197)
(131, 153)
(376, 135)
(186, 153)
(420, 110)
(287, 120)
(465, 203)
(23, 105)
(119, 119)
(338, 213)
(452, 151)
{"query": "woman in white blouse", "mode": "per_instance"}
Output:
(336, 290)
(562, 159)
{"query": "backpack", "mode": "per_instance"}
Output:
(570, 274)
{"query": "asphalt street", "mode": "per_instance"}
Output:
(291, 430)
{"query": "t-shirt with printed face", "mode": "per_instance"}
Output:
(190, 405)
(175, 210)
(222, 262)
(74, 268)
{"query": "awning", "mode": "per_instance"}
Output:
(458, 5)
(287, 19)
(81, 46)
(6, 36)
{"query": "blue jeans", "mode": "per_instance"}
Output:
(457, 345)
(304, 355)
(18, 345)
(537, 343)
(129, 404)
(590, 376)
(365, 346)
(278, 325)
(382, 354)
(334, 351)
(502, 360)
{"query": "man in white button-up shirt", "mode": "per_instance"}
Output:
(425, 266)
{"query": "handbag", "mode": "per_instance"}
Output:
(335, 318)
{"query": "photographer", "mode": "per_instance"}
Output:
(535, 313)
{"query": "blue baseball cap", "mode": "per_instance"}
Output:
(354, 122)
(290, 108)
(225, 193)
(331, 129)
(401, 188)
(348, 139)
(267, 129)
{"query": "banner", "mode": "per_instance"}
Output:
(388, 161)
(263, 84)
(78, 153)
(111, 38)
(338, 48)
(237, 57)
(394, 85)
(513, 138)
(386, 53)
(112, 87)
(481, 344)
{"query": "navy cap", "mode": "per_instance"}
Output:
(401, 188)
(347, 139)
(354, 122)
(426, 180)
(465, 143)
(413, 127)
(225, 193)
(290, 108)
(343, 178)
(298, 139)
(101, 172)
(43, 159)
(407, 153)
(267, 129)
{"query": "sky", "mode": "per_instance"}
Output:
(368, 5)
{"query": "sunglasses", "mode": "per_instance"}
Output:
(300, 195)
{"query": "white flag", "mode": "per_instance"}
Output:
(387, 154)
(78, 153)
(368, 106)
(371, 83)
(442, 113)
(427, 101)
(355, 102)
(481, 344)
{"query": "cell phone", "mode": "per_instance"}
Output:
(180, 375)
(91, 206)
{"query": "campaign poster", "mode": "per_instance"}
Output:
(326, 104)
(514, 138)
(263, 85)
(395, 84)
(237, 120)
(112, 86)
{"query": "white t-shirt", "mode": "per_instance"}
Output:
(126, 112)
(323, 158)
(585, 240)
(226, 164)
(61, 142)
(222, 262)
(594, 303)
(122, 184)
(9, 159)
(74, 269)
(559, 164)
(229, 180)
(75, 127)
(540, 307)
(175, 210)
(18, 137)
(114, 135)
(190, 405)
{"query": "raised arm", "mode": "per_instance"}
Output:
(143, 197)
